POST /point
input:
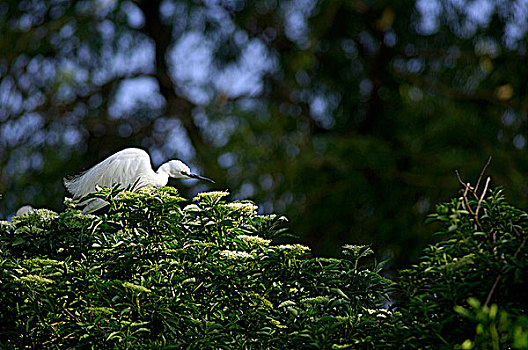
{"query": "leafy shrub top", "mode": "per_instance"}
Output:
(158, 271)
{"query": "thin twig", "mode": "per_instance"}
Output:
(481, 175)
(70, 314)
(482, 196)
(520, 247)
(488, 299)
(459, 179)
(466, 200)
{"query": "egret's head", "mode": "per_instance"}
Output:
(179, 170)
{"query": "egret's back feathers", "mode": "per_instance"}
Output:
(124, 168)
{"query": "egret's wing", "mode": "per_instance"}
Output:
(123, 168)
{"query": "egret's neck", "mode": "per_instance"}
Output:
(162, 175)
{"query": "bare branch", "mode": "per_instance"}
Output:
(459, 178)
(490, 294)
(482, 174)
(482, 196)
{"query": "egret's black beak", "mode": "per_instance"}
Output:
(199, 177)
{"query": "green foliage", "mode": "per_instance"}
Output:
(482, 256)
(496, 329)
(156, 271)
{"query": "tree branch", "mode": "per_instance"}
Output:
(177, 106)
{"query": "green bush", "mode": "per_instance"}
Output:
(156, 271)
(480, 263)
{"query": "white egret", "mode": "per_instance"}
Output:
(129, 167)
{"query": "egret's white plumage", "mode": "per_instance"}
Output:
(128, 167)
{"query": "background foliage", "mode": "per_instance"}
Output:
(358, 111)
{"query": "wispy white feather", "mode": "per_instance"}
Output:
(128, 167)
(123, 168)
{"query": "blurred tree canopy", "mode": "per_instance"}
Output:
(350, 117)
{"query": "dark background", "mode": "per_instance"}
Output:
(348, 117)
